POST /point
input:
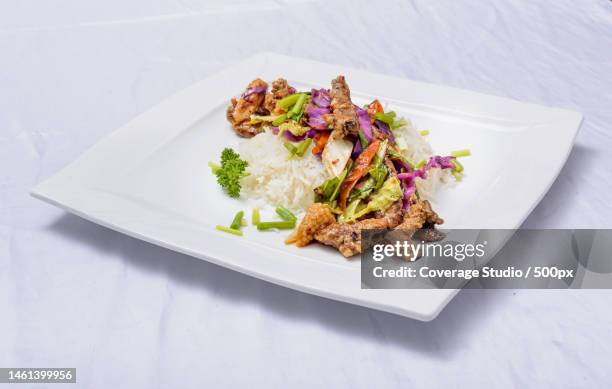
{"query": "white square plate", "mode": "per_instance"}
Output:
(149, 179)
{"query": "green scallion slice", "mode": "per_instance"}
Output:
(229, 230)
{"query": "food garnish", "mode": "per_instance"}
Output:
(237, 222)
(229, 230)
(255, 218)
(281, 225)
(285, 214)
(230, 172)
(461, 153)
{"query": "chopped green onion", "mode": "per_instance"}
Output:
(285, 214)
(281, 225)
(351, 209)
(229, 230)
(288, 101)
(325, 190)
(291, 148)
(299, 104)
(458, 176)
(255, 217)
(387, 117)
(458, 166)
(398, 123)
(424, 132)
(461, 153)
(341, 178)
(279, 120)
(362, 139)
(302, 147)
(421, 164)
(237, 222)
(390, 119)
(214, 167)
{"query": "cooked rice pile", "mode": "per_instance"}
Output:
(275, 180)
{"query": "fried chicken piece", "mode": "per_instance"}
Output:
(346, 237)
(240, 110)
(250, 101)
(343, 112)
(317, 217)
(247, 130)
(280, 90)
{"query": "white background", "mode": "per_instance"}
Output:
(128, 314)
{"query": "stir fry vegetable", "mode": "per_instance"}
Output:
(320, 139)
(321, 98)
(292, 127)
(302, 147)
(389, 118)
(374, 107)
(375, 178)
(362, 163)
(336, 155)
(280, 119)
(457, 165)
(298, 108)
(387, 195)
(341, 179)
(364, 124)
(288, 101)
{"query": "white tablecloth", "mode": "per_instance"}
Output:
(128, 314)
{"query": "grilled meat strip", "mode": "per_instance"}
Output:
(240, 110)
(418, 223)
(419, 215)
(346, 237)
(344, 115)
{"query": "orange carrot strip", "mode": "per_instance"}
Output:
(320, 141)
(374, 107)
(360, 168)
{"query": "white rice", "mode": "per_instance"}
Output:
(274, 180)
(414, 146)
(436, 180)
